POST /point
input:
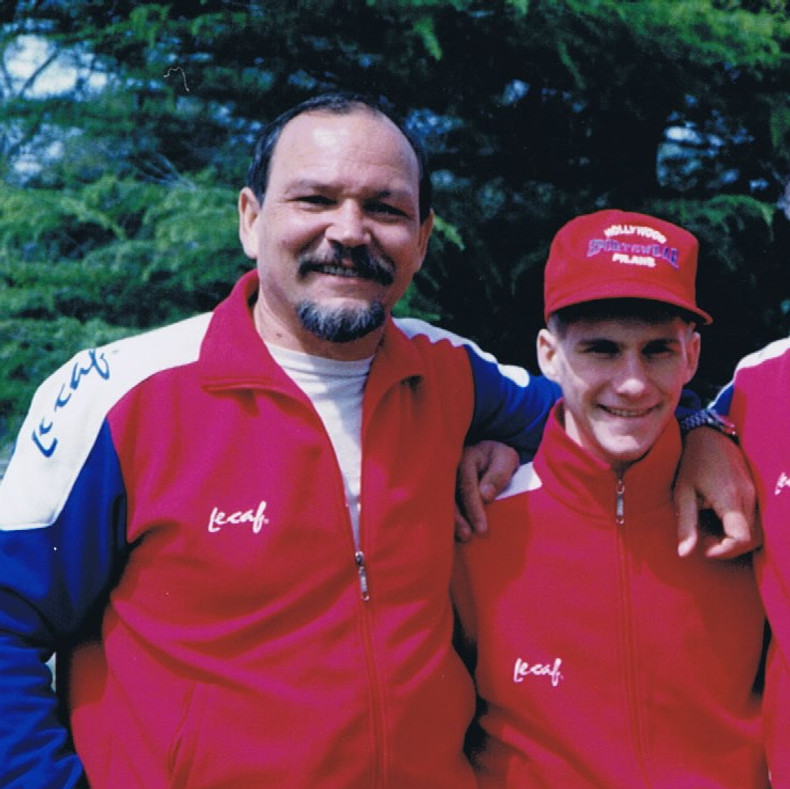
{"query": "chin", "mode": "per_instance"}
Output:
(619, 454)
(633, 455)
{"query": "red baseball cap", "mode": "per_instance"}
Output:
(616, 254)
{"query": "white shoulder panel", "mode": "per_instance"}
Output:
(771, 351)
(69, 409)
(525, 479)
(412, 327)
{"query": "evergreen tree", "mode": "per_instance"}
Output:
(118, 206)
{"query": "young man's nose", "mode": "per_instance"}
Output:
(631, 378)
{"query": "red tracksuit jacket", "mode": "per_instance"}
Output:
(605, 661)
(175, 509)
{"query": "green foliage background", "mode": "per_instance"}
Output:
(117, 211)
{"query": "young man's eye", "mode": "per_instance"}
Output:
(602, 349)
(658, 349)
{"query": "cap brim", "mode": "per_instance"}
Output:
(608, 292)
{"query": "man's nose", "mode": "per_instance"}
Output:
(348, 226)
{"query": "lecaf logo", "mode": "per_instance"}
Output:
(644, 247)
(781, 483)
(522, 669)
(89, 364)
(219, 520)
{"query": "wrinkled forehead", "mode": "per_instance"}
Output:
(361, 132)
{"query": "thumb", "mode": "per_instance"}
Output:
(501, 465)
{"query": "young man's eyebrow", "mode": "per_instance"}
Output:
(592, 342)
(663, 341)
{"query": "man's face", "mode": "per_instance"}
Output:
(337, 238)
(621, 381)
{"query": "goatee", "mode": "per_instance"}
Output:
(341, 324)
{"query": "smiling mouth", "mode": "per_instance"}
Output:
(337, 270)
(362, 269)
(627, 413)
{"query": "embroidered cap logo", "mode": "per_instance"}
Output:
(616, 254)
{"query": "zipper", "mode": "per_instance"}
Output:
(375, 692)
(632, 694)
(619, 509)
(381, 746)
(359, 558)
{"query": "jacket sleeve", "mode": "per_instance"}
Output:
(510, 405)
(721, 405)
(776, 352)
(62, 531)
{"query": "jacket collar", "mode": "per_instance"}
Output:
(233, 356)
(589, 485)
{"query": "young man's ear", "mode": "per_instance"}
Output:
(693, 349)
(548, 348)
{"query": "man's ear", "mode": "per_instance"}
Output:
(426, 227)
(249, 209)
(548, 347)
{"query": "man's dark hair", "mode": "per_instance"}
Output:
(643, 310)
(338, 103)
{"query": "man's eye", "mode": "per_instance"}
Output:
(384, 208)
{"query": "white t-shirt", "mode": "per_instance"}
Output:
(335, 389)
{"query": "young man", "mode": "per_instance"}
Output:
(603, 659)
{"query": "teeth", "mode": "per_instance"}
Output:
(340, 271)
(626, 413)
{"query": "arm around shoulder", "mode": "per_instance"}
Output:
(714, 475)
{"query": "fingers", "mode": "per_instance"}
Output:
(688, 524)
(470, 515)
(483, 473)
(714, 475)
(463, 529)
(502, 464)
(741, 535)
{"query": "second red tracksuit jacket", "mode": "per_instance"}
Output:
(603, 659)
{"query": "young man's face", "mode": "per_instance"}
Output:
(621, 381)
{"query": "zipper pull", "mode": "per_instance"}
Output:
(619, 515)
(359, 558)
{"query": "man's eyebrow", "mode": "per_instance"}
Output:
(300, 184)
(308, 184)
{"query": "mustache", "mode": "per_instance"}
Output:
(363, 264)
